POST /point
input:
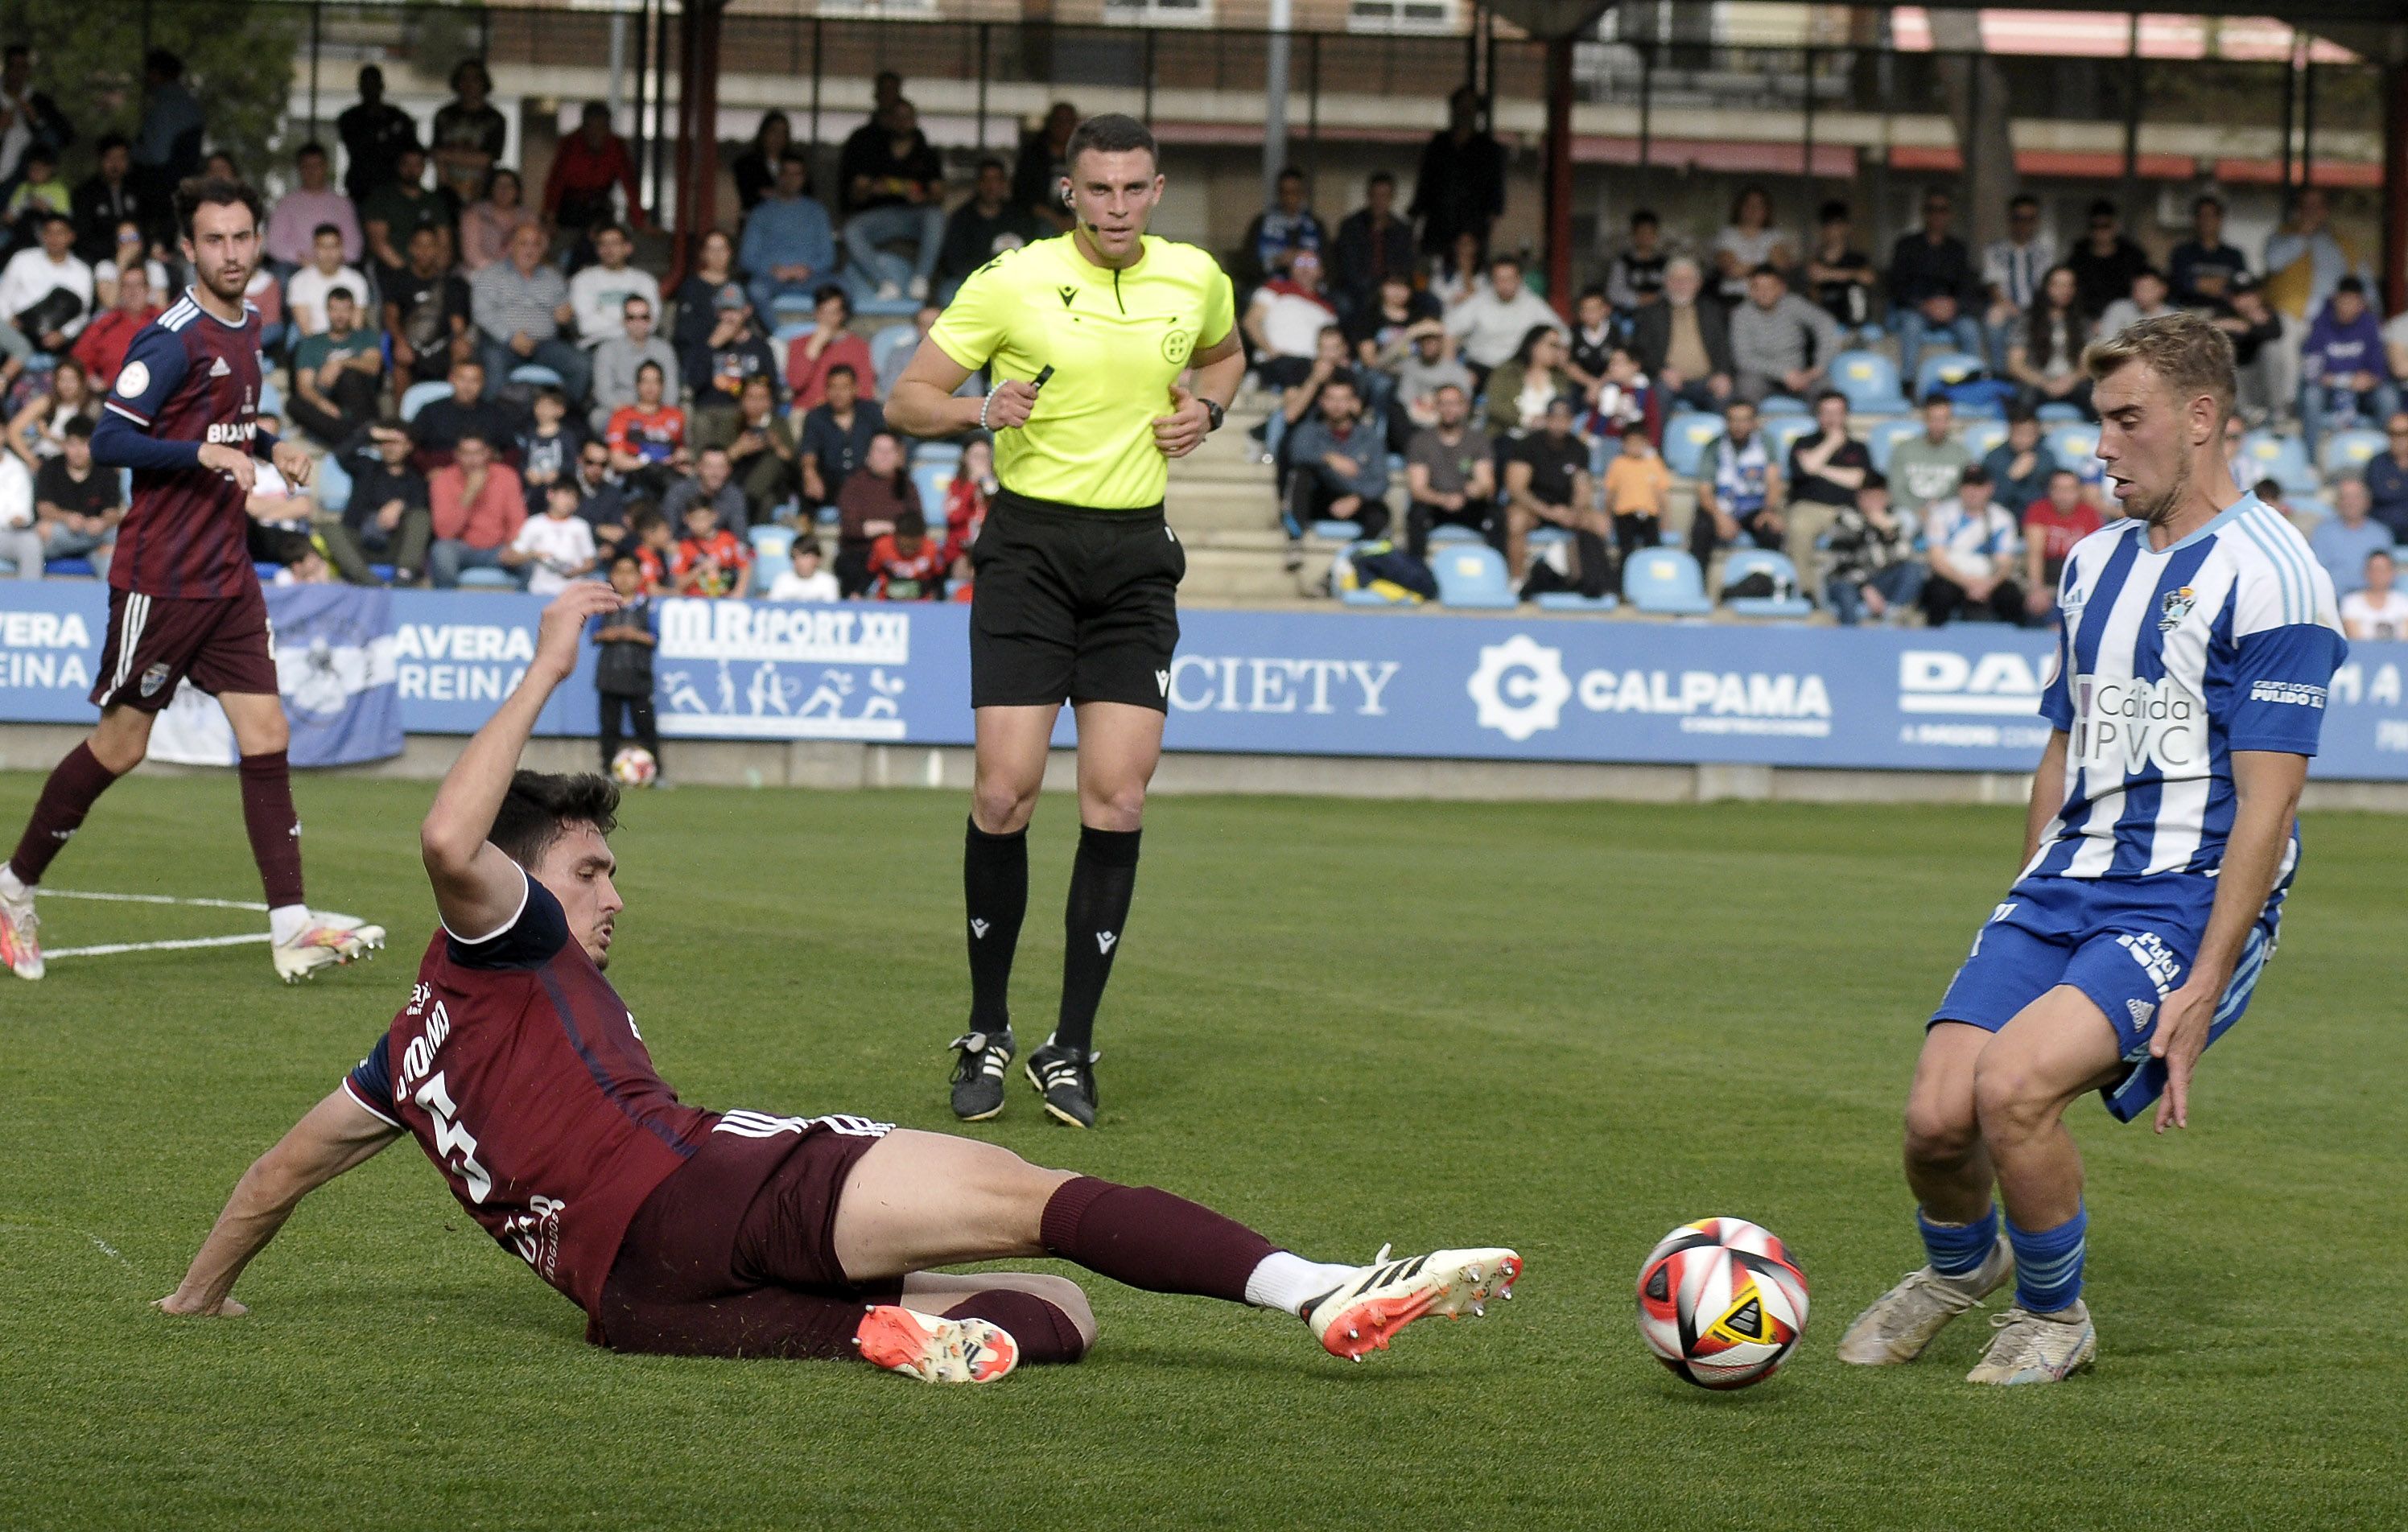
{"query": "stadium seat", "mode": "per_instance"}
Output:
(936, 451)
(418, 395)
(890, 352)
(769, 543)
(1544, 538)
(1574, 601)
(1334, 530)
(2057, 410)
(1686, 438)
(271, 398)
(2347, 452)
(1980, 437)
(787, 307)
(787, 334)
(536, 375)
(1777, 404)
(488, 580)
(2307, 512)
(334, 484)
(1471, 575)
(2076, 447)
(1885, 434)
(1783, 432)
(60, 568)
(1945, 369)
(1744, 562)
(1869, 382)
(932, 480)
(2281, 459)
(1664, 581)
(1451, 533)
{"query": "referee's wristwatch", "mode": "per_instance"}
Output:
(1215, 414)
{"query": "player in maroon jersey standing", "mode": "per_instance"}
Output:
(183, 600)
(520, 1072)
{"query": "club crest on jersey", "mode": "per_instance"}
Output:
(1176, 345)
(2174, 607)
(135, 380)
(154, 678)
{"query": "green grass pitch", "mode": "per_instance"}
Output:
(1565, 1027)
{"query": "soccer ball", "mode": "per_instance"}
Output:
(1721, 1303)
(635, 766)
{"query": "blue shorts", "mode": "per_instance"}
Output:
(2126, 943)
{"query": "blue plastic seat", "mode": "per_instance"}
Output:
(1980, 437)
(2057, 410)
(1686, 438)
(1783, 432)
(1743, 561)
(1544, 538)
(1471, 575)
(536, 375)
(2307, 512)
(271, 398)
(2281, 459)
(1664, 581)
(2350, 451)
(789, 306)
(932, 480)
(1869, 382)
(787, 334)
(418, 395)
(1330, 529)
(1777, 404)
(334, 484)
(1944, 370)
(1450, 532)
(488, 580)
(2076, 447)
(890, 352)
(770, 543)
(1883, 435)
(1574, 601)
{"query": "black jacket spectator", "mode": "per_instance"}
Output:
(1652, 334)
(443, 422)
(2101, 279)
(836, 450)
(1362, 256)
(374, 486)
(101, 204)
(972, 238)
(1919, 269)
(373, 133)
(1461, 184)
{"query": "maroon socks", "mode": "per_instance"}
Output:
(1146, 1238)
(275, 828)
(1045, 1332)
(75, 783)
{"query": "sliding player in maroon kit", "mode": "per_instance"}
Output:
(183, 600)
(680, 1231)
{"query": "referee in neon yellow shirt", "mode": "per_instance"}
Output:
(1087, 338)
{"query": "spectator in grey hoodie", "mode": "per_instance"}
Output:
(1341, 465)
(1780, 342)
(615, 361)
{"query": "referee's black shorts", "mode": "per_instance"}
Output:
(1073, 605)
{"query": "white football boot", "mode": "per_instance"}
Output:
(934, 1349)
(2038, 1348)
(1360, 1315)
(1902, 1320)
(330, 940)
(20, 946)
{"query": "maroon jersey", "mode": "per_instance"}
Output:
(189, 379)
(519, 1071)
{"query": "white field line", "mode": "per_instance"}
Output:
(112, 948)
(148, 898)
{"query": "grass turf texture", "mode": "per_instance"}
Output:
(1566, 1027)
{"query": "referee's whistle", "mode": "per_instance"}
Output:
(1038, 381)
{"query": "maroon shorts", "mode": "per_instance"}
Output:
(734, 1254)
(220, 644)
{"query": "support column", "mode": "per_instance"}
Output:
(2395, 188)
(697, 119)
(1558, 182)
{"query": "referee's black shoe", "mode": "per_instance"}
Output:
(1067, 1082)
(978, 1074)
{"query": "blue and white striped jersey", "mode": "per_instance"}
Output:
(2170, 660)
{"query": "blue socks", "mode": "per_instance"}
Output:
(1959, 1250)
(2048, 1264)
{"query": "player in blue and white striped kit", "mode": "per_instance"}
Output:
(2199, 639)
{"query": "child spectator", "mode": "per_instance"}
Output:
(624, 641)
(803, 579)
(556, 547)
(548, 448)
(710, 560)
(908, 565)
(1623, 396)
(1636, 484)
(654, 548)
(1875, 571)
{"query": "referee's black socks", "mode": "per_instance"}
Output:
(1102, 878)
(995, 890)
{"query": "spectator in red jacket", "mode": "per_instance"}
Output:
(710, 560)
(479, 505)
(587, 164)
(102, 345)
(828, 345)
(907, 563)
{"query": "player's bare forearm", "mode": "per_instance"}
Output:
(2047, 793)
(476, 886)
(2265, 789)
(335, 1135)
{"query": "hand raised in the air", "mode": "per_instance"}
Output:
(233, 462)
(563, 625)
(294, 462)
(1010, 406)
